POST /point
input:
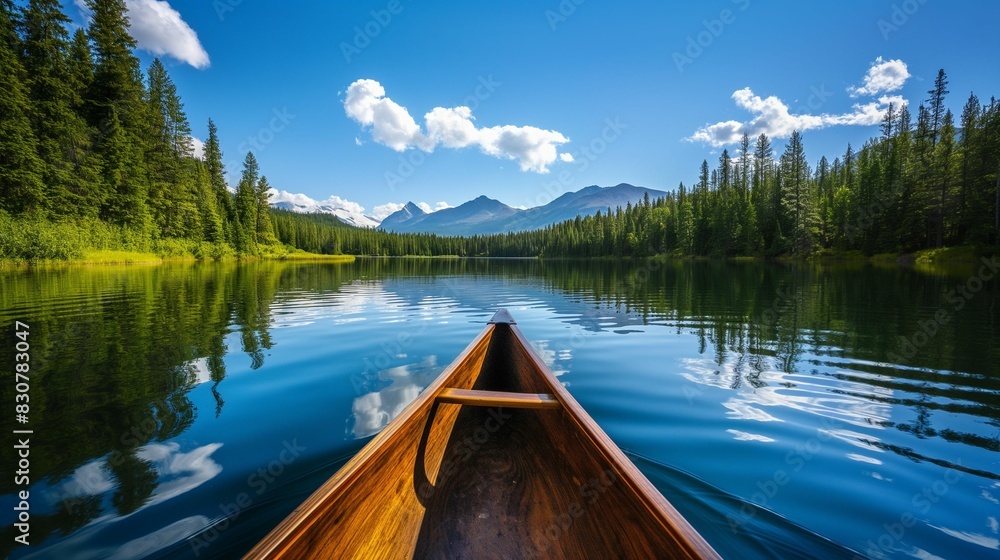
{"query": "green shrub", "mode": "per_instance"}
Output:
(32, 239)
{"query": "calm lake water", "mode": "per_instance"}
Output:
(181, 411)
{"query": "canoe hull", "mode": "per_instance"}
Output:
(445, 480)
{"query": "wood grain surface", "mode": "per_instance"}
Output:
(450, 480)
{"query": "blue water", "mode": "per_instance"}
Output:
(182, 412)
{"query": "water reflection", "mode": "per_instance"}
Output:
(768, 349)
(373, 411)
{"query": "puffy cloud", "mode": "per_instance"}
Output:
(299, 199)
(882, 77)
(159, 29)
(383, 211)
(452, 128)
(869, 113)
(533, 148)
(391, 124)
(425, 207)
(772, 116)
(197, 148)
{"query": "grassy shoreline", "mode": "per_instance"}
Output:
(948, 255)
(138, 258)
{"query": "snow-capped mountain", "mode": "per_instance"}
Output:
(350, 213)
(482, 215)
(408, 213)
(486, 215)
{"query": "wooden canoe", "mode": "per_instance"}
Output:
(494, 459)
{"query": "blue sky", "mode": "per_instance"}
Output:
(561, 94)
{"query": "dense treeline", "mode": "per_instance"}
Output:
(929, 185)
(90, 143)
(96, 154)
(323, 233)
(916, 187)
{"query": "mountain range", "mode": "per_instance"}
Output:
(484, 215)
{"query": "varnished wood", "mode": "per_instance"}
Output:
(447, 481)
(498, 398)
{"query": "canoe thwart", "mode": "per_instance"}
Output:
(502, 317)
(498, 398)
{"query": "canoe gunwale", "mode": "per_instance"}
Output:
(656, 504)
(305, 515)
(296, 528)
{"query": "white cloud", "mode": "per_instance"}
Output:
(197, 148)
(441, 206)
(882, 77)
(391, 124)
(868, 114)
(344, 204)
(159, 29)
(772, 116)
(383, 211)
(300, 199)
(452, 128)
(425, 207)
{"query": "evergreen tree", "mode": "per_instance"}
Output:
(211, 218)
(126, 203)
(264, 233)
(173, 190)
(117, 85)
(246, 206)
(21, 186)
(969, 166)
(217, 182)
(936, 106)
(797, 196)
(945, 166)
(63, 142)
